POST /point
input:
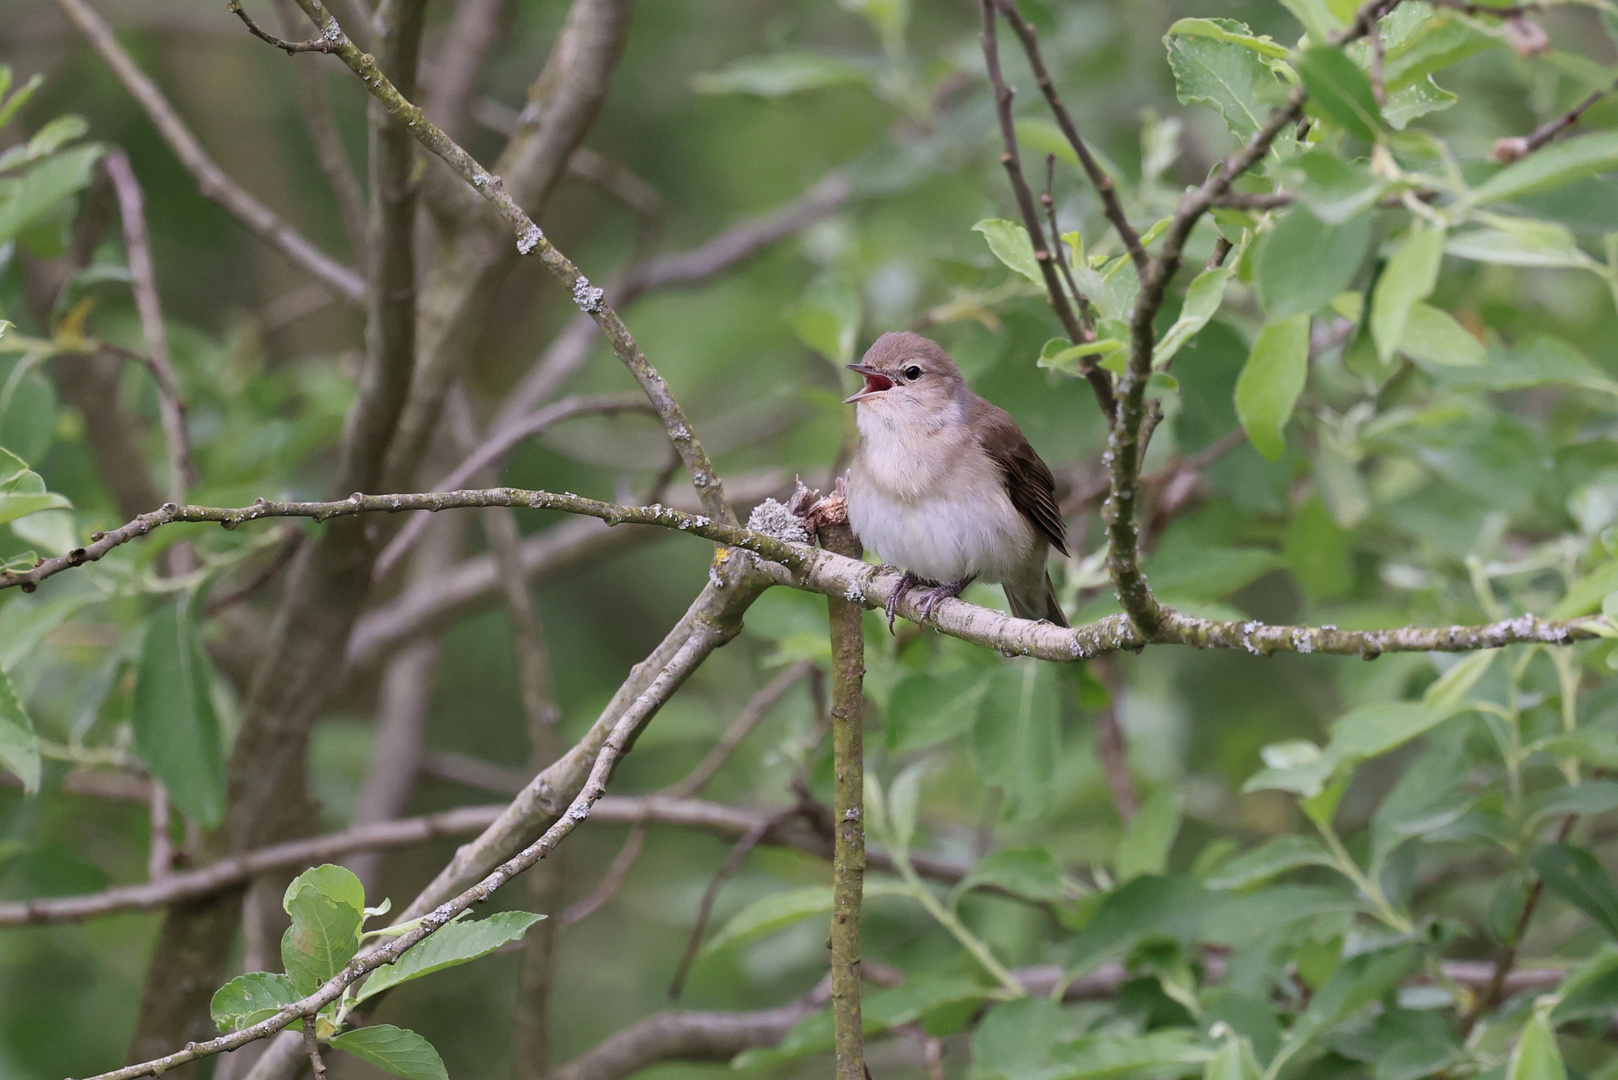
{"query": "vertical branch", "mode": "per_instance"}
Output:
(1048, 200)
(848, 806)
(143, 281)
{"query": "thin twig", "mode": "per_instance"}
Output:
(1099, 179)
(211, 179)
(531, 241)
(266, 574)
(319, 44)
(1048, 198)
(727, 870)
(1518, 147)
(311, 1047)
(143, 282)
(757, 708)
(611, 881)
(1100, 380)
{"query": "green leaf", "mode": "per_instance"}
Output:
(780, 910)
(1436, 43)
(336, 882)
(904, 800)
(1586, 594)
(175, 727)
(1536, 1056)
(1579, 878)
(1590, 990)
(1334, 190)
(1550, 166)
(1170, 1052)
(1434, 337)
(1232, 78)
(457, 943)
(1202, 300)
(1229, 30)
(1408, 278)
(1144, 847)
(17, 100)
(827, 318)
(1012, 245)
(1339, 92)
(22, 491)
(1271, 381)
(1029, 872)
(1521, 242)
(1016, 1038)
(1275, 857)
(1304, 262)
(1234, 1060)
(1016, 740)
(917, 996)
(43, 187)
(397, 1050)
(19, 745)
(1366, 732)
(1354, 984)
(1317, 18)
(1536, 361)
(1415, 100)
(247, 999)
(323, 937)
(1448, 692)
(924, 709)
(1147, 907)
(784, 73)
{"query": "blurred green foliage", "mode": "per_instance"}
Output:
(1418, 347)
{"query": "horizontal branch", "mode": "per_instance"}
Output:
(815, 570)
(211, 180)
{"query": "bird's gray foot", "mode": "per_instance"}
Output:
(906, 583)
(939, 593)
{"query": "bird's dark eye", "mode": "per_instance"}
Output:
(912, 372)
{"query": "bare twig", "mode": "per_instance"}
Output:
(160, 855)
(727, 870)
(1048, 199)
(611, 881)
(211, 179)
(1099, 379)
(311, 1047)
(278, 562)
(757, 708)
(847, 620)
(830, 574)
(1518, 147)
(319, 44)
(143, 282)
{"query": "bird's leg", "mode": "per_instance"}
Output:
(939, 593)
(906, 583)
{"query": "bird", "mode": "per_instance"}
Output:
(944, 485)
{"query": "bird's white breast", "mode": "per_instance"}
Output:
(930, 500)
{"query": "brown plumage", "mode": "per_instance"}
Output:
(945, 485)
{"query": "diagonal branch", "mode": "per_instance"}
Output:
(259, 219)
(531, 241)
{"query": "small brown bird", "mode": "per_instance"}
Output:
(945, 486)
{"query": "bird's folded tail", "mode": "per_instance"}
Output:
(1038, 603)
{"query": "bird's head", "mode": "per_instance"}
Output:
(907, 375)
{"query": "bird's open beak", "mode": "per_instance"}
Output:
(875, 383)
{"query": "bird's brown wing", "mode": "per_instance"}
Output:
(1029, 483)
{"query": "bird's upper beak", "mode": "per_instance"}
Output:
(875, 383)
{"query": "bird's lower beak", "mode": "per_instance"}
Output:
(875, 383)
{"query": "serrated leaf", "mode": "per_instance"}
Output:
(1229, 30)
(1271, 381)
(458, 943)
(397, 1050)
(1339, 92)
(1232, 78)
(323, 937)
(1549, 167)
(1270, 859)
(1408, 279)
(784, 73)
(176, 730)
(1012, 245)
(19, 745)
(247, 999)
(1579, 878)
(1304, 262)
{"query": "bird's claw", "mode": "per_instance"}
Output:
(939, 593)
(907, 582)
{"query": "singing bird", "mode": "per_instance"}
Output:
(945, 486)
